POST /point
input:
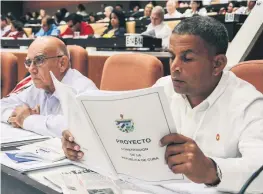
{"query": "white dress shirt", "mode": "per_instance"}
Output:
(190, 13)
(227, 126)
(175, 14)
(5, 29)
(243, 11)
(162, 31)
(50, 121)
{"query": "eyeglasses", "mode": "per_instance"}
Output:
(38, 60)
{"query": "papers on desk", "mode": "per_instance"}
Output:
(29, 166)
(12, 137)
(49, 150)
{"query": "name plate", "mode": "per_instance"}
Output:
(229, 17)
(134, 41)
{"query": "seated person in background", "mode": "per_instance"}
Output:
(219, 129)
(119, 7)
(35, 15)
(183, 4)
(92, 18)
(16, 30)
(233, 6)
(42, 14)
(117, 25)
(48, 27)
(107, 13)
(171, 9)
(58, 19)
(246, 10)
(81, 10)
(147, 11)
(37, 108)
(75, 24)
(4, 25)
(64, 12)
(157, 28)
(196, 8)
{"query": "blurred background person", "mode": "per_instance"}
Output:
(35, 15)
(76, 24)
(92, 18)
(16, 30)
(58, 19)
(147, 11)
(81, 10)
(48, 27)
(5, 27)
(117, 25)
(171, 10)
(196, 8)
(157, 28)
(119, 7)
(64, 12)
(247, 10)
(42, 14)
(107, 13)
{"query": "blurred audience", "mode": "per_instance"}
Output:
(197, 8)
(107, 13)
(48, 27)
(35, 15)
(5, 27)
(147, 11)
(16, 30)
(247, 10)
(75, 24)
(171, 10)
(119, 7)
(42, 14)
(58, 19)
(157, 28)
(92, 18)
(117, 25)
(64, 12)
(81, 10)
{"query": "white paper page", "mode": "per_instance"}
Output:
(28, 166)
(135, 153)
(49, 150)
(10, 134)
(94, 155)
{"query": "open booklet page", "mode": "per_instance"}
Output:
(125, 128)
(95, 157)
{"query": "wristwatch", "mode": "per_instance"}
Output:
(218, 174)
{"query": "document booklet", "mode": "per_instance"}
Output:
(49, 150)
(119, 132)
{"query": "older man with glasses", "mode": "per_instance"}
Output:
(37, 108)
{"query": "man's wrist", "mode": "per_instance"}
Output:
(214, 175)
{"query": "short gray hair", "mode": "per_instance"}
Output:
(109, 7)
(159, 10)
(213, 32)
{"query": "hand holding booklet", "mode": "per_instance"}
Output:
(119, 132)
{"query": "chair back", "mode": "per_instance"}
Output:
(8, 73)
(130, 71)
(250, 71)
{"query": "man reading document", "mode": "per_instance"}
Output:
(219, 117)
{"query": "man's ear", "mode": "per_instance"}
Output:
(64, 64)
(219, 64)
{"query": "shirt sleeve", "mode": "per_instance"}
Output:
(68, 31)
(55, 32)
(10, 103)
(50, 125)
(236, 171)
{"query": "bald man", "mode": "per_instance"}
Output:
(157, 28)
(171, 10)
(37, 108)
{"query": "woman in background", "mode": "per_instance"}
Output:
(196, 8)
(16, 31)
(117, 25)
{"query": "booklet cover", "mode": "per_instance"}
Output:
(119, 132)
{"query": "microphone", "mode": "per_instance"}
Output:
(250, 180)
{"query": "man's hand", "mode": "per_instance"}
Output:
(70, 148)
(21, 113)
(184, 156)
